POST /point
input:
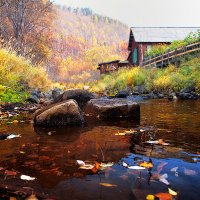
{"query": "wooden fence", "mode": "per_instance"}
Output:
(171, 56)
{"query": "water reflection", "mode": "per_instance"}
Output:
(50, 155)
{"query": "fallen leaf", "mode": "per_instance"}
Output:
(103, 166)
(13, 136)
(136, 167)
(107, 185)
(96, 167)
(80, 162)
(27, 178)
(124, 164)
(10, 173)
(146, 164)
(124, 177)
(86, 166)
(163, 179)
(172, 192)
(15, 121)
(12, 198)
(174, 169)
(160, 167)
(189, 172)
(152, 142)
(120, 134)
(32, 197)
(164, 196)
(161, 142)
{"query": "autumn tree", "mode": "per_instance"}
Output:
(24, 25)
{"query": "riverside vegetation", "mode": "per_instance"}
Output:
(19, 76)
(165, 80)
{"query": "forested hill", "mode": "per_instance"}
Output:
(82, 22)
(67, 42)
(82, 39)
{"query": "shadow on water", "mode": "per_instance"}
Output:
(50, 155)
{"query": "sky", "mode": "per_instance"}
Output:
(144, 12)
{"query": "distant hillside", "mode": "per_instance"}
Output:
(84, 23)
(81, 39)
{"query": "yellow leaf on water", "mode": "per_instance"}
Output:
(172, 192)
(107, 185)
(146, 164)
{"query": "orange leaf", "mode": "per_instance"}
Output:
(164, 196)
(10, 173)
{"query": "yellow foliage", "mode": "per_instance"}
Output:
(15, 70)
(162, 83)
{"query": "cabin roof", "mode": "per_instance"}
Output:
(111, 62)
(161, 34)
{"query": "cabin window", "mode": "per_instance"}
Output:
(135, 56)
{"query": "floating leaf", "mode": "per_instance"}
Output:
(106, 165)
(124, 164)
(163, 179)
(152, 142)
(32, 197)
(136, 167)
(120, 134)
(107, 185)
(80, 162)
(174, 169)
(146, 164)
(13, 136)
(189, 172)
(10, 173)
(86, 166)
(164, 196)
(27, 178)
(172, 192)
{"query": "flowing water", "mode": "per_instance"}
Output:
(50, 155)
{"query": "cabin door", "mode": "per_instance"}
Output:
(135, 56)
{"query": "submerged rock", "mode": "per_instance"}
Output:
(62, 113)
(81, 97)
(112, 108)
(122, 94)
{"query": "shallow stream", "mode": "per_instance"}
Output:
(50, 156)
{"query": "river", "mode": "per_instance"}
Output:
(50, 156)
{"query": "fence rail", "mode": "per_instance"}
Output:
(171, 56)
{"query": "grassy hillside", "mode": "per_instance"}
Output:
(166, 80)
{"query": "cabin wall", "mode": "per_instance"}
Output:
(142, 48)
(107, 68)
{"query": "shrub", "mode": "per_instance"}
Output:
(17, 75)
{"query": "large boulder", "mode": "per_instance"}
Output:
(62, 113)
(112, 108)
(81, 97)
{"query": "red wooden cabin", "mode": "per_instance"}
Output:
(143, 38)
